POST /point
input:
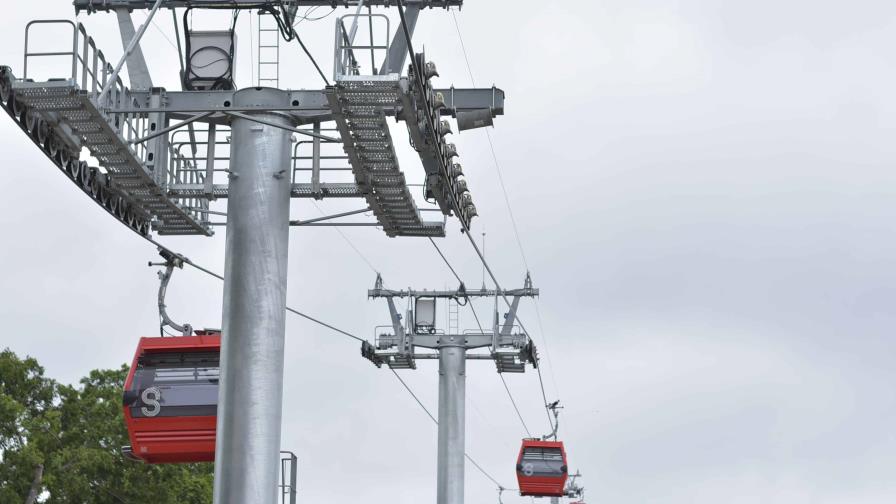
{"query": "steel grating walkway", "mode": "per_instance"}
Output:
(358, 104)
(63, 103)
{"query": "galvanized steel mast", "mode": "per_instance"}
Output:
(247, 460)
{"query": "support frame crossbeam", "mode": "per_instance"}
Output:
(107, 5)
(510, 350)
(306, 106)
(220, 191)
(453, 294)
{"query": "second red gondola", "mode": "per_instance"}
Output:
(171, 399)
(541, 469)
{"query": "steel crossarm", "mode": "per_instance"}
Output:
(107, 5)
(304, 190)
(527, 291)
(469, 99)
(307, 106)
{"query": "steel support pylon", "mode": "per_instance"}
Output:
(452, 410)
(510, 350)
(247, 457)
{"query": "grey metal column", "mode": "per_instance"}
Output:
(247, 457)
(452, 407)
(137, 69)
(398, 49)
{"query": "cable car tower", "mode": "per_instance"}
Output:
(413, 338)
(158, 160)
(574, 490)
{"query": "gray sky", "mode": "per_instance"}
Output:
(704, 195)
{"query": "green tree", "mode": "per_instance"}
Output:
(26, 407)
(75, 434)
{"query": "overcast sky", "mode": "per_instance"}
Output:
(705, 195)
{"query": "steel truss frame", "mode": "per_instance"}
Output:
(510, 348)
(146, 184)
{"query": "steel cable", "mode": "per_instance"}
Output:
(207, 271)
(426, 410)
(476, 316)
(500, 174)
(464, 225)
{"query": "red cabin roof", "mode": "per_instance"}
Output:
(179, 343)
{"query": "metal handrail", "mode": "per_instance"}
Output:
(90, 71)
(288, 490)
(89, 75)
(315, 164)
(378, 334)
(86, 58)
(344, 61)
(74, 51)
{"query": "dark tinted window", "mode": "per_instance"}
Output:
(175, 384)
(542, 462)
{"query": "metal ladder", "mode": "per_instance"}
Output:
(453, 316)
(268, 69)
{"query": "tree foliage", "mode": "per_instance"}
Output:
(76, 434)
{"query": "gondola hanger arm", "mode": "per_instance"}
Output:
(171, 261)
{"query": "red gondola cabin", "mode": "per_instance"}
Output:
(541, 469)
(171, 399)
